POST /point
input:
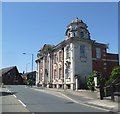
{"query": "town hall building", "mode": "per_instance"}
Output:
(67, 64)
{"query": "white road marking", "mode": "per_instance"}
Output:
(15, 96)
(18, 99)
(22, 103)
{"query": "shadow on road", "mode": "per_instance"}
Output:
(6, 93)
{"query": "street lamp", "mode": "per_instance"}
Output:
(27, 66)
(31, 58)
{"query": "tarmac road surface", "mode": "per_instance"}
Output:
(37, 101)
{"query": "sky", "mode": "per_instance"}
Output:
(27, 26)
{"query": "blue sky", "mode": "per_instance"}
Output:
(27, 26)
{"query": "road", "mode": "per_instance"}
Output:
(37, 101)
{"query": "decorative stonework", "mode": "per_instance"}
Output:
(83, 59)
(77, 28)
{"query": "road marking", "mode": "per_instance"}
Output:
(22, 103)
(15, 96)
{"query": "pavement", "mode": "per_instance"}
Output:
(10, 103)
(84, 97)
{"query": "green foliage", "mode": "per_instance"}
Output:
(90, 82)
(30, 82)
(114, 74)
(108, 82)
(100, 79)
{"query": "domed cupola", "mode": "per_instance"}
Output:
(77, 28)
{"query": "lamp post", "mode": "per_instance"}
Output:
(31, 58)
(27, 66)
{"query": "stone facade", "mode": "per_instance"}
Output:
(68, 64)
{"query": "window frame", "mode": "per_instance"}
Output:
(60, 73)
(81, 34)
(68, 52)
(55, 57)
(60, 56)
(82, 50)
(67, 71)
(98, 52)
(55, 74)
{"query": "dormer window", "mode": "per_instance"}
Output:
(77, 28)
(68, 34)
(81, 34)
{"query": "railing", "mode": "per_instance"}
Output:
(115, 90)
(111, 90)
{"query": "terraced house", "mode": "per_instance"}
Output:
(68, 64)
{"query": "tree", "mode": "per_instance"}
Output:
(114, 74)
(90, 81)
(30, 82)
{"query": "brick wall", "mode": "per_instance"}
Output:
(106, 63)
(112, 61)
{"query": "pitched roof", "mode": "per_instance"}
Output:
(31, 73)
(5, 70)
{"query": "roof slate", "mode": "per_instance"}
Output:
(5, 70)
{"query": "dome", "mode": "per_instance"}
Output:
(77, 28)
(77, 20)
